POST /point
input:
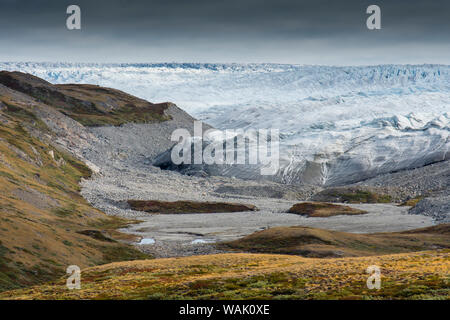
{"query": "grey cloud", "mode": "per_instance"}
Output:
(245, 30)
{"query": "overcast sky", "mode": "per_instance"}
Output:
(279, 31)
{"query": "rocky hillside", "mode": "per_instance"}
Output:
(45, 224)
(90, 105)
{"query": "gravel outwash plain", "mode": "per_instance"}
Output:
(123, 157)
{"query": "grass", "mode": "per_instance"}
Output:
(353, 195)
(96, 235)
(321, 209)
(364, 197)
(110, 226)
(40, 229)
(412, 202)
(312, 242)
(90, 105)
(422, 275)
(180, 207)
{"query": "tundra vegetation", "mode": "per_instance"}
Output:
(420, 275)
(180, 207)
(319, 243)
(323, 210)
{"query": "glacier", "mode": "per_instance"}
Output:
(338, 124)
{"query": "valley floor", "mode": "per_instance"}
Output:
(124, 155)
(182, 235)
